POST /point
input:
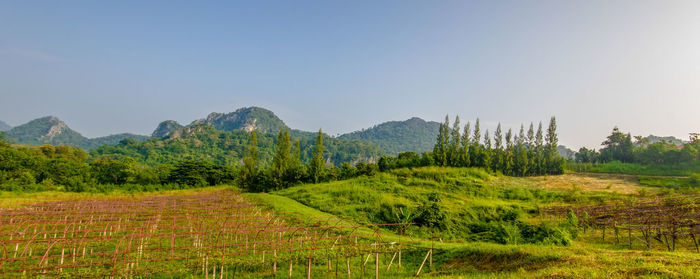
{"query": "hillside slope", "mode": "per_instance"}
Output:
(414, 134)
(51, 130)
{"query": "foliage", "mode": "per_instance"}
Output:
(205, 143)
(459, 203)
(412, 135)
(51, 130)
(522, 155)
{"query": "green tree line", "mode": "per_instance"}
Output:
(523, 154)
(620, 146)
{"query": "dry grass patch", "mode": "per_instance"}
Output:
(620, 183)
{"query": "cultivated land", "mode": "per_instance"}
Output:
(493, 228)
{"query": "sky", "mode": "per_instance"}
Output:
(124, 66)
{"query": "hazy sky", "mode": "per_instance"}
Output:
(125, 66)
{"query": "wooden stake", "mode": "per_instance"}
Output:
(423, 263)
(376, 265)
(308, 270)
(390, 262)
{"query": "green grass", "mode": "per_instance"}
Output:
(683, 169)
(671, 182)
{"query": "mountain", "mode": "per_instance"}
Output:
(414, 134)
(206, 143)
(165, 128)
(247, 119)
(46, 130)
(4, 126)
(51, 130)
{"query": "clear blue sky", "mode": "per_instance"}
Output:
(125, 66)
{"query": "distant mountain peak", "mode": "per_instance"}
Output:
(246, 118)
(56, 129)
(51, 130)
(166, 128)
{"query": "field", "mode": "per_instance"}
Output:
(464, 223)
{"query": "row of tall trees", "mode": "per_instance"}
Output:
(522, 154)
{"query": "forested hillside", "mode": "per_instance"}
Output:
(51, 130)
(204, 142)
(415, 134)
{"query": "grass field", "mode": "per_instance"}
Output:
(487, 218)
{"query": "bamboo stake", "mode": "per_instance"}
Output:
(423, 263)
(376, 265)
(390, 262)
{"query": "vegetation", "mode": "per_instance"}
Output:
(645, 155)
(460, 203)
(414, 135)
(520, 155)
(51, 130)
(203, 142)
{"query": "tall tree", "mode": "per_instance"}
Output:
(531, 136)
(539, 151)
(475, 149)
(554, 163)
(508, 154)
(317, 164)
(551, 143)
(441, 146)
(465, 160)
(498, 149)
(249, 174)
(498, 137)
(487, 153)
(455, 139)
(281, 161)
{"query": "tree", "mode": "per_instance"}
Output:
(486, 153)
(116, 171)
(441, 146)
(586, 155)
(475, 149)
(317, 164)
(498, 149)
(531, 136)
(618, 147)
(455, 138)
(281, 161)
(508, 154)
(466, 143)
(551, 154)
(539, 150)
(249, 175)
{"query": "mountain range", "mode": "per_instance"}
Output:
(51, 130)
(414, 134)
